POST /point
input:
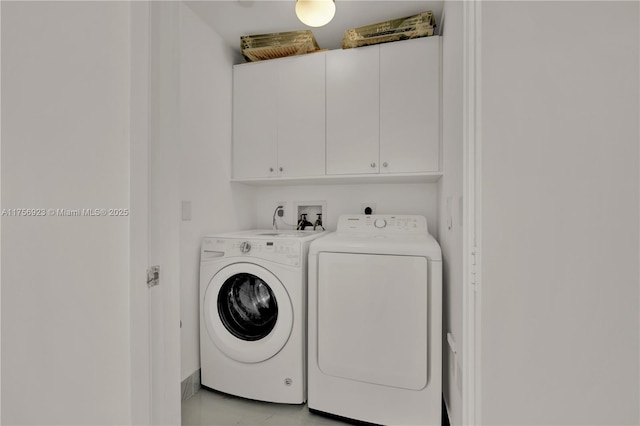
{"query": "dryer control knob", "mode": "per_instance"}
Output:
(380, 223)
(245, 247)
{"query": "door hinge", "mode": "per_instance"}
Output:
(472, 266)
(153, 276)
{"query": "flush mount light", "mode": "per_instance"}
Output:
(315, 13)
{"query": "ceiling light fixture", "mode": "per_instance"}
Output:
(315, 13)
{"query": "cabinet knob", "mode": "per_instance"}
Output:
(270, 169)
(385, 164)
(373, 165)
(281, 168)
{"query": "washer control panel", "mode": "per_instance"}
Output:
(382, 223)
(286, 252)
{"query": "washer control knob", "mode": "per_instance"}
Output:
(380, 223)
(245, 247)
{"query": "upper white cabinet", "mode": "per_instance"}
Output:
(255, 134)
(410, 106)
(353, 113)
(369, 113)
(279, 118)
(383, 108)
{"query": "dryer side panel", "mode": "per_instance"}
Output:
(372, 318)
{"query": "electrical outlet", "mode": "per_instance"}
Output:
(365, 206)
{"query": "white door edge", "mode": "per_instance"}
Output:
(154, 224)
(140, 373)
(0, 228)
(164, 211)
(471, 376)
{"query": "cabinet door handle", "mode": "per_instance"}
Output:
(373, 165)
(281, 168)
(385, 164)
(270, 169)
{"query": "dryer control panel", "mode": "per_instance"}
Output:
(286, 252)
(414, 224)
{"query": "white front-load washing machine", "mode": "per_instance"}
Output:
(253, 298)
(375, 321)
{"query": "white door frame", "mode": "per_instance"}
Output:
(155, 213)
(164, 210)
(139, 218)
(472, 173)
(141, 404)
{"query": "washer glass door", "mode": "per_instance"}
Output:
(247, 307)
(247, 312)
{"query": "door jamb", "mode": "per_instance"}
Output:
(471, 377)
(140, 373)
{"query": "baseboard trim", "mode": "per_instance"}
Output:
(190, 385)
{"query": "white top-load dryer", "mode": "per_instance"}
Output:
(375, 320)
(253, 289)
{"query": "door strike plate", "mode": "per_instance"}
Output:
(153, 276)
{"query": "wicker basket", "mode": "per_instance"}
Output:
(277, 45)
(420, 25)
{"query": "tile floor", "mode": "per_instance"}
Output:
(212, 408)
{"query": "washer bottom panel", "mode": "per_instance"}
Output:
(272, 380)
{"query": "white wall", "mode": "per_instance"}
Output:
(418, 198)
(205, 158)
(560, 208)
(65, 280)
(450, 207)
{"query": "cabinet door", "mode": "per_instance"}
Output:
(254, 120)
(353, 110)
(301, 116)
(410, 106)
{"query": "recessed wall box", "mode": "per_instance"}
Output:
(310, 214)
